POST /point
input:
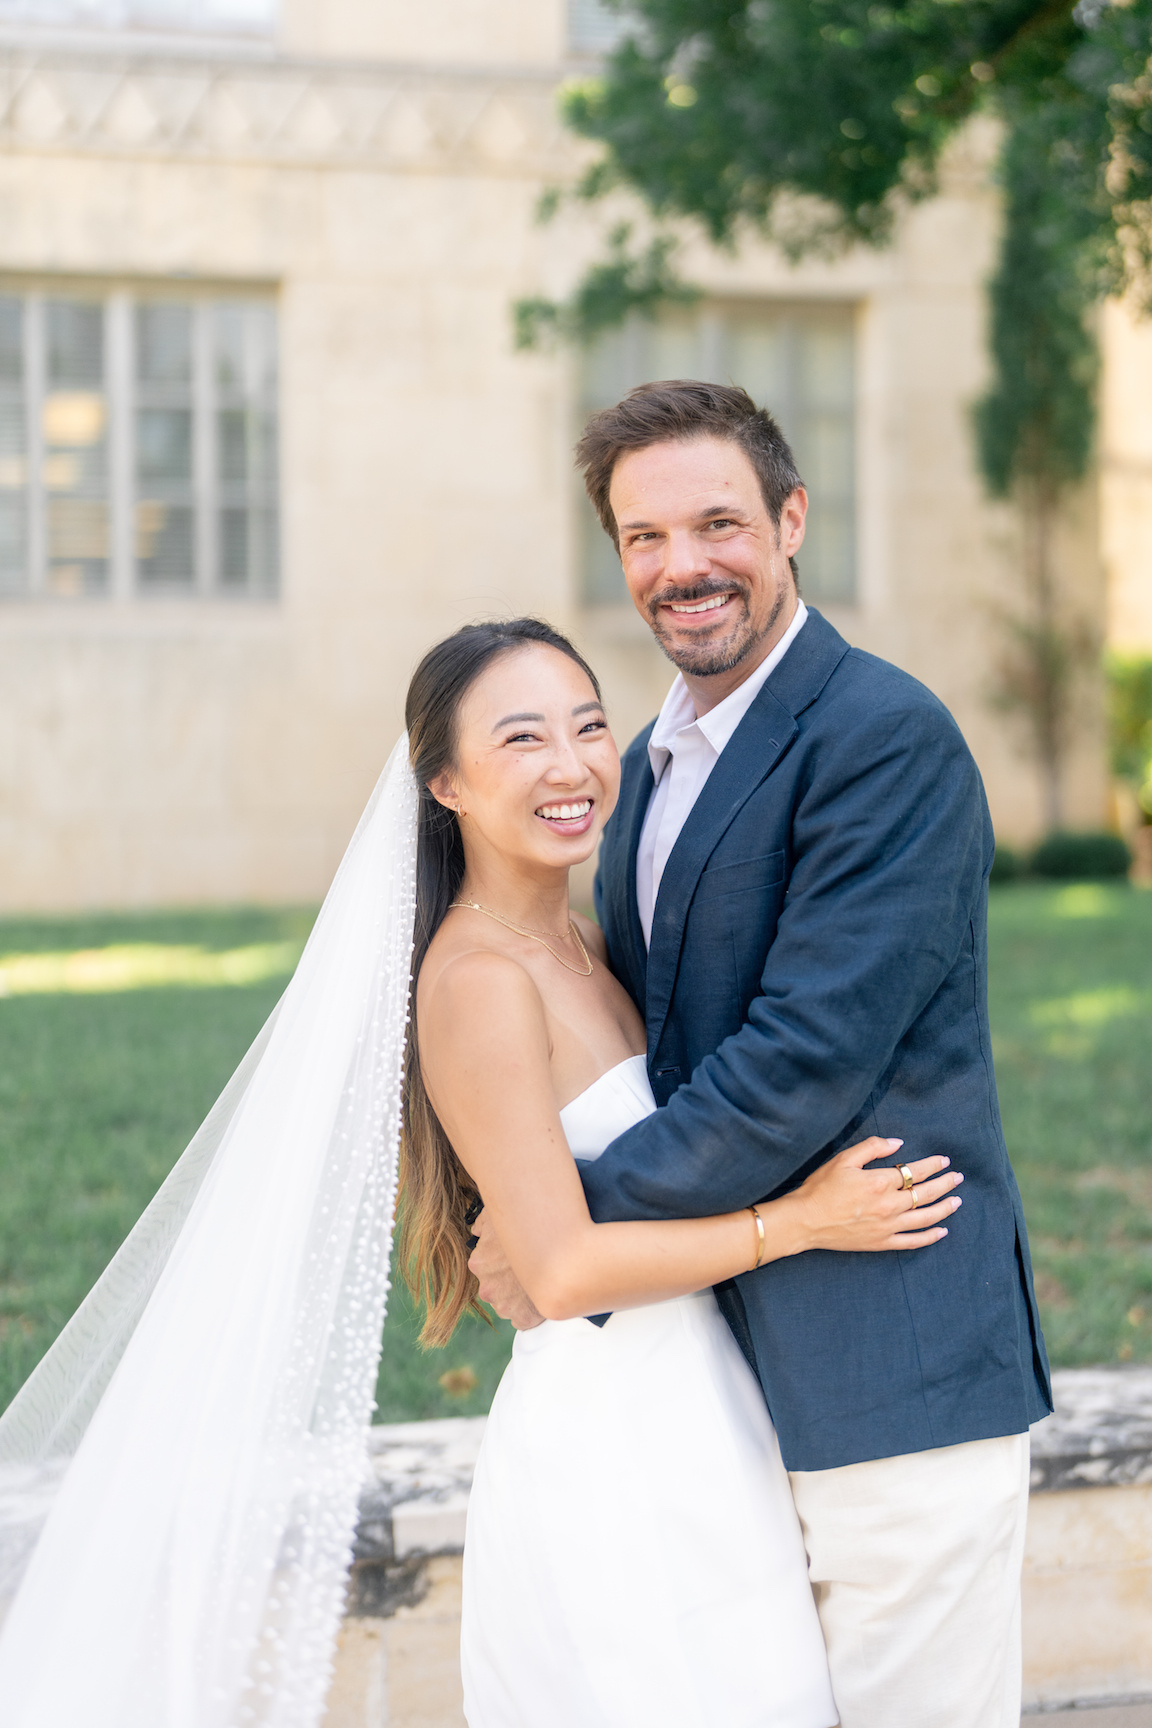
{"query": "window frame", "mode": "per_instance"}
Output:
(592, 30)
(120, 297)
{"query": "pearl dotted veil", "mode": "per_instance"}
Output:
(179, 1476)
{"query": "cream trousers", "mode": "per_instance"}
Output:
(915, 1565)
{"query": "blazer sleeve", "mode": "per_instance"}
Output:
(891, 847)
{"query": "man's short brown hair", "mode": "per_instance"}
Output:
(680, 409)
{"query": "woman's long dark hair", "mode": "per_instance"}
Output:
(436, 1191)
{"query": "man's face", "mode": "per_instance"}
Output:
(705, 565)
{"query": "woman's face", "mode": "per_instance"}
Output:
(537, 771)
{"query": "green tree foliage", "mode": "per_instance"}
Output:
(813, 119)
(813, 122)
(1130, 723)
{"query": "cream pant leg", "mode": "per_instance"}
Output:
(915, 1565)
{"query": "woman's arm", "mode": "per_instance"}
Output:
(485, 1059)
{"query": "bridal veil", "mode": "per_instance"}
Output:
(179, 1476)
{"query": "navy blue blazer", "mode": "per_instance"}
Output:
(817, 974)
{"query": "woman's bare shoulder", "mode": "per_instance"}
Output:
(592, 936)
(469, 988)
(482, 1029)
(462, 973)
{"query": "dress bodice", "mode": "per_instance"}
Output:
(618, 1099)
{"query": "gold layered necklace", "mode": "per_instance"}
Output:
(540, 936)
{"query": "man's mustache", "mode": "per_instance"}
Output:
(695, 591)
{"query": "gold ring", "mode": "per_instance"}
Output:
(915, 1202)
(905, 1174)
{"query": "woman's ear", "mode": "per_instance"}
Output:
(444, 791)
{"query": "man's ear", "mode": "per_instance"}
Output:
(444, 791)
(792, 518)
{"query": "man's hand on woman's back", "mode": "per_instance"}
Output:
(499, 1285)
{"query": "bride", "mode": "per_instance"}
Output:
(633, 1556)
(179, 1475)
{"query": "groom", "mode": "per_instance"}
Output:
(794, 886)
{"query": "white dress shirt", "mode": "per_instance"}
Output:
(683, 749)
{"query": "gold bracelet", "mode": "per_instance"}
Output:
(759, 1238)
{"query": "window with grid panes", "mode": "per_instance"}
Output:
(796, 360)
(244, 358)
(13, 450)
(215, 17)
(74, 434)
(594, 28)
(138, 444)
(164, 413)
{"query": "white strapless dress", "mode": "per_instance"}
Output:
(633, 1556)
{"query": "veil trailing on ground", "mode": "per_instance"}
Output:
(179, 1476)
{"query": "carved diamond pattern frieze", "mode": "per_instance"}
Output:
(282, 111)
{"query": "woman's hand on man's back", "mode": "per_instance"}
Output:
(848, 1208)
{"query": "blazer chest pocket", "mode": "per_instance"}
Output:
(745, 876)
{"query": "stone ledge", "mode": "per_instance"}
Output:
(416, 1498)
(1101, 1433)
(1126, 1712)
(415, 1501)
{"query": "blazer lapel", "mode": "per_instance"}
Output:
(749, 757)
(635, 791)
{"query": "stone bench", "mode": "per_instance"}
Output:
(1087, 1565)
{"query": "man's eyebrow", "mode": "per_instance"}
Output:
(701, 516)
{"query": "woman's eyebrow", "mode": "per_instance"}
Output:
(508, 719)
(581, 708)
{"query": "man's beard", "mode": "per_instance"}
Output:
(708, 659)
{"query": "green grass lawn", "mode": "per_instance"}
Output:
(116, 1033)
(1071, 1007)
(107, 1065)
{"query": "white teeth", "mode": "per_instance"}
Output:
(565, 812)
(708, 605)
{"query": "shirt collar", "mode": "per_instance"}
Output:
(678, 713)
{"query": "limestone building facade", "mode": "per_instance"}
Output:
(264, 434)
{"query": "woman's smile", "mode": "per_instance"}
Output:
(570, 816)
